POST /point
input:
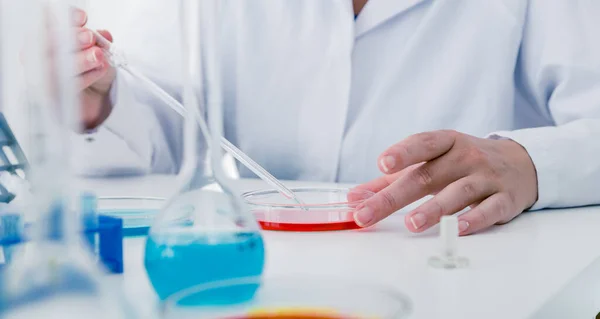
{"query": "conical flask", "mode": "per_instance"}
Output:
(55, 276)
(205, 232)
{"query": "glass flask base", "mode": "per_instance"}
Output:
(295, 297)
(177, 261)
(448, 262)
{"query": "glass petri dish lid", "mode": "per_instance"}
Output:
(320, 209)
(307, 297)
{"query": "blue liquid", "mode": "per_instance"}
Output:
(178, 261)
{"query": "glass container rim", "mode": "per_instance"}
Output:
(248, 195)
(405, 305)
(132, 197)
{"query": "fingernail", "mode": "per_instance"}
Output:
(363, 216)
(358, 196)
(387, 163)
(85, 37)
(463, 226)
(80, 17)
(418, 220)
(92, 57)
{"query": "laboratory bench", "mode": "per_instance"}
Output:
(543, 264)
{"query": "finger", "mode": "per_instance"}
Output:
(107, 35)
(452, 199)
(355, 197)
(79, 17)
(415, 149)
(416, 184)
(386, 180)
(474, 204)
(90, 59)
(378, 184)
(90, 77)
(492, 210)
(85, 38)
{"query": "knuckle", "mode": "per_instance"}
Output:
(436, 209)
(422, 177)
(461, 155)
(469, 190)
(511, 199)
(490, 173)
(499, 169)
(452, 133)
(427, 141)
(479, 161)
(482, 216)
(506, 210)
(495, 210)
(502, 208)
(499, 208)
(430, 141)
(401, 151)
(99, 54)
(388, 200)
(475, 155)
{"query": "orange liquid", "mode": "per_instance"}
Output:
(292, 316)
(308, 228)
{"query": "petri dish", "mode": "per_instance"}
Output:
(321, 209)
(137, 212)
(292, 297)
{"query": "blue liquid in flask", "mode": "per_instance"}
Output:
(175, 262)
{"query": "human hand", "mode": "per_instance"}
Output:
(95, 73)
(496, 178)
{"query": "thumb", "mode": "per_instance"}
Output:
(107, 35)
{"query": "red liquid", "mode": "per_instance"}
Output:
(308, 227)
(298, 220)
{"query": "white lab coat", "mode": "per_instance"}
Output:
(313, 94)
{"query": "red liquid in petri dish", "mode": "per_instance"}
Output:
(306, 221)
(308, 227)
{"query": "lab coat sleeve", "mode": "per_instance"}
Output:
(558, 73)
(131, 141)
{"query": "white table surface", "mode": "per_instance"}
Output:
(514, 270)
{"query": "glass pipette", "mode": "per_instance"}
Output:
(117, 59)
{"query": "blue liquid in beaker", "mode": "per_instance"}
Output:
(175, 262)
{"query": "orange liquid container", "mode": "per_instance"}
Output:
(294, 313)
(293, 316)
(322, 209)
(291, 297)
